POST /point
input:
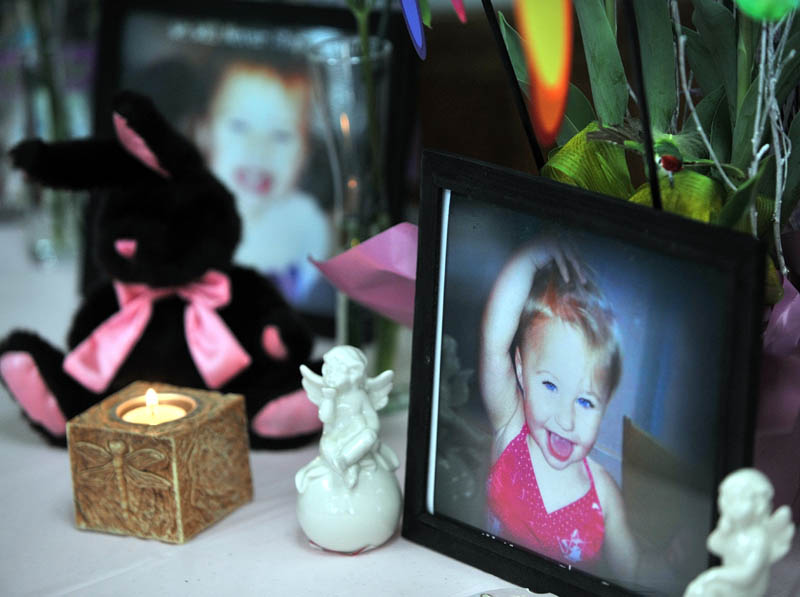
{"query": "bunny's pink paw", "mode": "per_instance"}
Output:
(287, 416)
(25, 383)
(273, 343)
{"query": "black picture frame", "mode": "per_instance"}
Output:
(473, 215)
(215, 27)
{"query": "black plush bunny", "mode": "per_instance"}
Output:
(177, 309)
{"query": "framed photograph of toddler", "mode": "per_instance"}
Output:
(584, 375)
(237, 79)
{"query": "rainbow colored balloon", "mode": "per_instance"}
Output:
(546, 28)
(767, 10)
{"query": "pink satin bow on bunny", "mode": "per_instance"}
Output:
(214, 349)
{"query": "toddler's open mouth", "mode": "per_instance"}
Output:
(560, 447)
(253, 180)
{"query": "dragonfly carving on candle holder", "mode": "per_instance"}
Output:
(121, 466)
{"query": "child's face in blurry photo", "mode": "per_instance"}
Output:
(563, 405)
(257, 134)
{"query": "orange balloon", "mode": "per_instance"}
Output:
(546, 30)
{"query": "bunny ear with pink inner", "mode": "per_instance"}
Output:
(137, 146)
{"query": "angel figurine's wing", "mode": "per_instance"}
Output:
(312, 384)
(378, 389)
(780, 530)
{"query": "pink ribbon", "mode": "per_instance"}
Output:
(214, 349)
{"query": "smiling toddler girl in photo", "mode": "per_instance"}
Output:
(256, 137)
(549, 364)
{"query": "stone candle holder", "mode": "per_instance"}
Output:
(167, 481)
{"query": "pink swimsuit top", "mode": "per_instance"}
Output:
(570, 534)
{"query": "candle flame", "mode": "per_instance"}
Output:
(344, 123)
(150, 398)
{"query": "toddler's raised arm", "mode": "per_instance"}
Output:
(500, 321)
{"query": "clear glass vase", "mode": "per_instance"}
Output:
(351, 95)
(351, 90)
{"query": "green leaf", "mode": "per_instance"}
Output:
(795, 26)
(692, 195)
(579, 108)
(764, 207)
(578, 115)
(791, 194)
(713, 114)
(744, 196)
(766, 185)
(658, 60)
(665, 146)
(705, 71)
(790, 75)
(720, 132)
(567, 131)
(746, 48)
(593, 165)
(515, 48)
(634, 146)
(425, 12)
(773, 283)
(717, 30)
(606, 74)
(690, 145)
(736, 175)
(742, 149)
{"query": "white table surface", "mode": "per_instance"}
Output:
(257, 550)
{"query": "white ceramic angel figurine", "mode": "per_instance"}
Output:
(747, 538)
(349, 496)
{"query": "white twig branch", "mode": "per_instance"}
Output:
(681, 39)
(787, 27)
(632, 94)
(758, 122)
(762, 152)
(781, 145)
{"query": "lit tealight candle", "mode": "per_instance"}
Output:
(154, 411)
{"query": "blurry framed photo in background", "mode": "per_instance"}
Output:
(584, 380)
(234, 77)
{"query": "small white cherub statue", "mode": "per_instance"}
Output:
(349, 498)
(747, 538)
